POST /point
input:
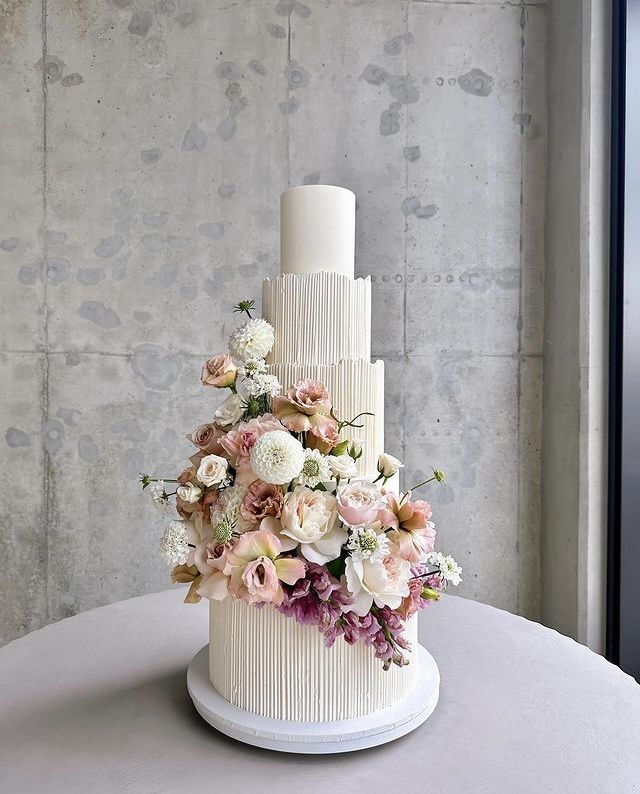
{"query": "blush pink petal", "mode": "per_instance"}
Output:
(290, 570)
(215, 586)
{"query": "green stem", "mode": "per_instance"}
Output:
(420, 484)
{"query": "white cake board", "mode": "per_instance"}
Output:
(341, 736)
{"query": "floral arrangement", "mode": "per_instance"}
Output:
(272, 511)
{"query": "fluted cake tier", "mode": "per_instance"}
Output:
(273, 666)
(319, 318)
(355, 387)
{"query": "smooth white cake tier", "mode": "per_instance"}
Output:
(319, 318)
(317, 230)
(354, 386)
(273, 666)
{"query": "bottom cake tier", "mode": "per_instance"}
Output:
(272, 666)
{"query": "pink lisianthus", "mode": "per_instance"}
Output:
(219, 371)
(256, 571)
(237, 444)
(359, 503)
(413, 534)
(306, 408)
(209, 558)
(262, 499)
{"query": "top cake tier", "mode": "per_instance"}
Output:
(317, 230)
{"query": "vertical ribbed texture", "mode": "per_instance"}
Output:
(354, 386)
(271, 665)
(319, 318)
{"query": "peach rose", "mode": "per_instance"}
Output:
(262, 500)
(219, 371)
(206, 438)
(359, 503)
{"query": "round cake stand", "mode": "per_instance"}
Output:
(341, 736)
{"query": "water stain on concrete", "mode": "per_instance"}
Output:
(277, 31)
(122, 3)
(411, 153)
(131, 462)
(130, 429)
(374, 74)
(289, 106)
(412, 205)
(140, 23)
(389, 121)
(227, 70)
(402, 88)
(258, 67)
(156, 366)
(226, 191)
(55, 239)
(214, 231)
(53, 68)
(56, 270)
(17, 438)
(227, 128)
(164, 277)
(153, 243)
(28, 275)
(98, 313)
(70, 80)
(9, 243)
(68, 415)
(187, 19)
(87, 449)
(167, 7)
(150, 156)
(52, 436)
(188, 293)
(297, 76)
(154, 50)
(395, 45)
(195, 139)
(311, 179)
(476, 82)
(286, 7)
(142, 317)
(109, 246)
(155, 219)
(88, 276)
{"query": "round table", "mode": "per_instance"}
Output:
(98, 703)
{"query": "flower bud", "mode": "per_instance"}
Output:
(388, 465)
(355, 450)
(439, 475)
(189, 493)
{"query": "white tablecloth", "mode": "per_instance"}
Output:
(97, 703)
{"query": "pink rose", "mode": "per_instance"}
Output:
(255, 570)
(219, 371)
(237, 443)
(359, 503)
(324, 434)
(206, 438)
(262, 500)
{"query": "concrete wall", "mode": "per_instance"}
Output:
(145, 145)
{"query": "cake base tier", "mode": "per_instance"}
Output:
(341, 736)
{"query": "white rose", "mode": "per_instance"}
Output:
(383, 581)
(212, 470)
(342, 466)
(189, 493)
(388, 465)
(230, 412)
(309, 518)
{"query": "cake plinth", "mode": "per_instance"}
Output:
(339, 736)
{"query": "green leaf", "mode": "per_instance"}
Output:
(336, 567)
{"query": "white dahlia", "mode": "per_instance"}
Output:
(174, 545)
(251, 341)
(315, 468)
(277, 457)
(259, 384)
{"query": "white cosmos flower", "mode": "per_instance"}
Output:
(251, 341)
(388, 465)
(449, 568)
(368, 543)
(343, 466)
(315, 469)
(277, 457)
(174, 543)
(230, 412)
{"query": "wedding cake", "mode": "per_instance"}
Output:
(290, 519)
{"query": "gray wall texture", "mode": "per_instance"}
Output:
(145, 145)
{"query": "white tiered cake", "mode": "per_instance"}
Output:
(322, 320)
